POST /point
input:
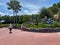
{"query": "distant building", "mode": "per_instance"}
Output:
(2, 21)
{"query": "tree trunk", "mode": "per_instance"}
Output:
(16, 19)
(14, 16)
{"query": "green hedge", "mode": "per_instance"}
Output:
(6, 25)
(3, 25)
(40, 25)
(44, 25)
(55, 24)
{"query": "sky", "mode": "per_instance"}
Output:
(28, 6)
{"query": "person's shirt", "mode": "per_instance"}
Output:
(22, 26)
(10, 26)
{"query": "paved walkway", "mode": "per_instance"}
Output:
(28, 38)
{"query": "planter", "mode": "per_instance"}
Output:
(44, 30)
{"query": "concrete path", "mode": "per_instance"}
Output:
(28, 38)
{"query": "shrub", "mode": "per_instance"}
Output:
(4, 25)
(44, 25)
(55, 24)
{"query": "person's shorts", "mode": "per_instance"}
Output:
(10, 29)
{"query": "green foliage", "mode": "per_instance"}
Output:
(54, 9)
(40, 25)
(6, 18)
(27, 25)
(3, 25)
(44, 12)
(14, 5)
(6, 25)
(44, 25)
(51, 11)
(26, 18)
(16, 25)
(0, 18)
(55, 24)
(58, 4)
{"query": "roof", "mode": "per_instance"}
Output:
(2, 21)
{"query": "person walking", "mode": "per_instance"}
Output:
(10, 28)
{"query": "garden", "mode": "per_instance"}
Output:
(46, 19)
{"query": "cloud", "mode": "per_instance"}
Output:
(30, 12)
(3, 4)
(30, 6)
(4, 10)
(1, 13)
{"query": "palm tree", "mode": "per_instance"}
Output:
(15, 6)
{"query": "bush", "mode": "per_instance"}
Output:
(27, 25)
(14, 25)
(55, 24)
(44, 25)
(4, 25)
(40, 25)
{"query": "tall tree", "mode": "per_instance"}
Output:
(58, 4)
(44, 12)
(26, 18)
(0, 17)
(54, 9)
(15, 6)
